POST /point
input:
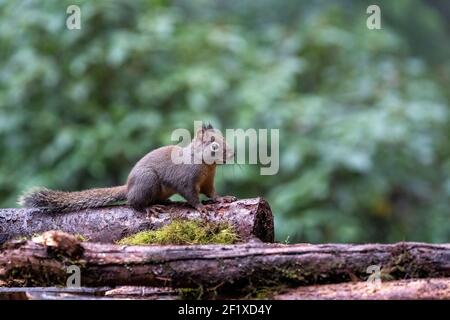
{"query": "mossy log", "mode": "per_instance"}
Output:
(410, 289)
(44, 262)
(251, 219)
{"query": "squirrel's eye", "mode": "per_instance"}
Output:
(213, 139)
(214, 146)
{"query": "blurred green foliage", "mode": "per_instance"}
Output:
(363, 115)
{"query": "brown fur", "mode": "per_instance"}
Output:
(60, 201)
(152, 180)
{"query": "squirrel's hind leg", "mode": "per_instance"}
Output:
(142, 191)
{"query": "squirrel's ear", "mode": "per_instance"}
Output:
(202, 130)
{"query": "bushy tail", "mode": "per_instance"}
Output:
(59, 201)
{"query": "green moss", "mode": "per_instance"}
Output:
(21, 238)
(185, 232)
(266, 293)
(81, 237)
(191, 293)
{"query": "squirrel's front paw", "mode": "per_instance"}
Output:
(156, 209)
(224, 199)
(202, 209)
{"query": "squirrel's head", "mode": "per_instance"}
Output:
(212, 145)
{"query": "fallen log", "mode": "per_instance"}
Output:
(143, 293)
(411, 289)
(251, 219)
(44, 262)
(49, 293)
(88, 293)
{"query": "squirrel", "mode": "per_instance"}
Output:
(153, 179)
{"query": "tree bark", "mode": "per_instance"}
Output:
(51, 293)
(251, 218)
(411, 289)
(44, 262)
(89, 293)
